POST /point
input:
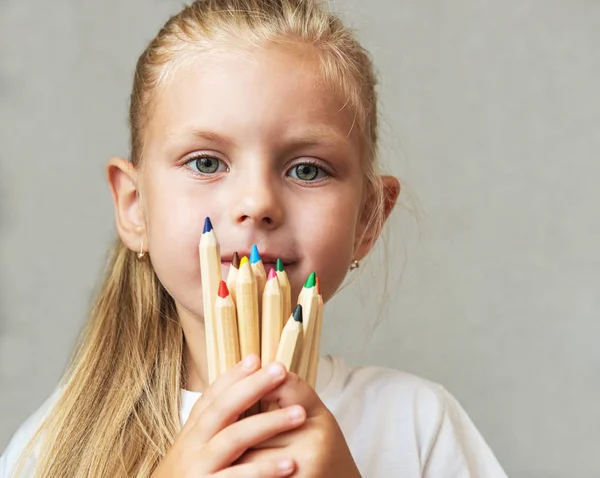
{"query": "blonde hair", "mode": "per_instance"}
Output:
(118, 410)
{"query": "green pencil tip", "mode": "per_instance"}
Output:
(279, 265)
(311, 281)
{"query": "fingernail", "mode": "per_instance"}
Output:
(276, 370)
(285, 465)
(249, 362)
(296, 413)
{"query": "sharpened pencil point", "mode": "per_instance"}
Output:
(311, 281)
(272, 274)
(243, 261)
(207, 225)
(235, 262)
(298, 313)
(254, 255)
(318, 286)
(223, 290)
(279, 265)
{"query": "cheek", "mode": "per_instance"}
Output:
(332, 243)
(174, 227)
(332, 259)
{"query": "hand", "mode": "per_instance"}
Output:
(318, 447)
(212, 438)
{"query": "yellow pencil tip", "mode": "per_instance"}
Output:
(243, 261)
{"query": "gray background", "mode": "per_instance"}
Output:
(491, 116)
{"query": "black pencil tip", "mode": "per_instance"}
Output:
(298, 313)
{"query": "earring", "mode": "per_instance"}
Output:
(355, 265)
(141, 254)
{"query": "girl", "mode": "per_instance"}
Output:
(260, 114)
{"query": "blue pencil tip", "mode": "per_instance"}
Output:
(254, 255)
(207, 225)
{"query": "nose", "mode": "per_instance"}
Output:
(257, 201)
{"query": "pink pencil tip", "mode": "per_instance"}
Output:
(272, 274)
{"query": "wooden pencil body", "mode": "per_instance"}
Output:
(272, 321)
(210, 272)
(247, 312)
(231, 282)
(290, 345)
(258, 271)
(286, 291)
(315, 353)
(308, 299)
(260, 275)
(227, 333)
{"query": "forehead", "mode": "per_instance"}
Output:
(255, 93)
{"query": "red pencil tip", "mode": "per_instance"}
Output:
(272, 274)
(223, 290)
(318, 286)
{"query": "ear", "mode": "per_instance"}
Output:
(368, 234)
(122, 180)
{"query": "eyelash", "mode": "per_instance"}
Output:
(310, 162)
(197, 156)
(307, 162)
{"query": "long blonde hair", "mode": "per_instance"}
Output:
(118, 409)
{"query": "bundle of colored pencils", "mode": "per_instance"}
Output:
(245, 314)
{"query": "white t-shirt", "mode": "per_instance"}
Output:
(396, 425)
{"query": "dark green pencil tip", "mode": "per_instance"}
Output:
(279, 265)
(311, 281)
(298, 313)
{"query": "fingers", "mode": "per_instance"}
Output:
(237, 398)
(261, 469)
(278, 441)
(245, 367)
(233, 441)
(242, 369)
(255, 455)
(296, 391)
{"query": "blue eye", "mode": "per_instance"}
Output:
(207, 165)
(307, 172)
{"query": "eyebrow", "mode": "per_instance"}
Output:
(201, 134)
(323, 137)
(317, 137)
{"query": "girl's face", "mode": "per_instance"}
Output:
(253, 140)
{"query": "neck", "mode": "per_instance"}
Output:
(194, 351)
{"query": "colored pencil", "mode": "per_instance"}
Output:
(258, 270)
(315, 350)
(210, 273)
(290, 344)
(227, 329)
(286, 289)
(247, 310)
(289, 349)
(309, 299)
(272, 319)
(232, 274)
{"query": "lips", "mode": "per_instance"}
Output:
(271, 265)
(267, 258)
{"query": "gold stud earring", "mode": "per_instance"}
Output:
(141, 254)
(355, 265)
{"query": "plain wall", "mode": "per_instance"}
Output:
(491, 115)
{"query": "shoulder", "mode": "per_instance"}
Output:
(385, 398)
(378, 387)
(23, 435)
(417, 424)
